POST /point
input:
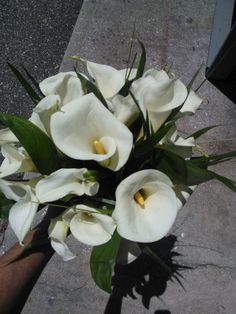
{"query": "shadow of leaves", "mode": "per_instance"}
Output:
(147, 276)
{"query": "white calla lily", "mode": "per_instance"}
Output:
(64, 84)
(7, 137)
(146, 206)
(57, 233)
(88, 225)
(86, 130)
(63, 182)
(24, 210)
(108, 79)
(124, 109)
(16, 160)
(42, 113)
(159, 94)
(192, 103)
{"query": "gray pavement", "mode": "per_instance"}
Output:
(178, 32)
(36, 34)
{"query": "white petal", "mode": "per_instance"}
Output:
(81, 123)
(108, 79)
(192, 102)
(63, 182)
(14, 191)
(21, 217)
(16, 160)
(67, 85)
(128, 252)
(152, 221)
(6, 136)
(57, 233)
(125, 72)
(42, 113)
(90, 227)
(124, 109)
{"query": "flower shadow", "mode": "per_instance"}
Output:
(147, 276)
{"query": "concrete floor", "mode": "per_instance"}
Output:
(174, 31)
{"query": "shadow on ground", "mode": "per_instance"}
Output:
(147, 276)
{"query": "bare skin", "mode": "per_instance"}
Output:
(20, 269)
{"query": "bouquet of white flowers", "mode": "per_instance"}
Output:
(104, 148)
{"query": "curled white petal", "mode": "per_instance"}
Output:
(42, 113)
(108, 79)
(86, 120)
(153, 220)
(57, 232)
(90, 227)
(192, 103)
(124, 109)
(65, 84)
(6, 136)
(63, 182)
(16, 160)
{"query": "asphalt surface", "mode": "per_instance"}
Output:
(35, 34)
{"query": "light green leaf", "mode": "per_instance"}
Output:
(38, 145)
(102, 261)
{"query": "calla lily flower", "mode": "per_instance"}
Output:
(192, 103)
(42, 113)
(24, 210)
(7, 137)
(108, 79)
(57, 233)
(146, 206)
(64, 84)
(63, 182)
(88, 225)
(159, 94)
(16, 160)
(124, 109)
(86, 130)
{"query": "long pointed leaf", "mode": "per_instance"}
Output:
(38, 145)
(31, 92)
(102, 261)
(33, 80)
(90, 87)
(142, 61)
(202, 131)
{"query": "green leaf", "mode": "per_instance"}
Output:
(90, 87)
(202, 131)
(5, 206)
(148, 144)
(31, 92)
(173, 166)
(204, 161)
(190, 84)
(33, 80)
(182, 151)
(142, 61)
(38, 145)
(226, 181)
(102, 261)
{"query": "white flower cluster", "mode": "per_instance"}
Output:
(82, 128)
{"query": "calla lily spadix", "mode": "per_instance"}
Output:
(88, 225)
(63, 182)
(86, 130)
(16, 160)
(158, 93)
(146, 206)
(64, 84)
(24, 210)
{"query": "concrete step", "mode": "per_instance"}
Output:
(176, 32)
